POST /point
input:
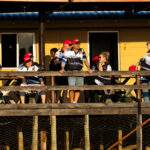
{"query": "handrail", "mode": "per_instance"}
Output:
(84, 87)
(75, 73)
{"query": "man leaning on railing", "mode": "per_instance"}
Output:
(74, 59)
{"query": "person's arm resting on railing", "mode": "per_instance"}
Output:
(88, 66)
(63, 63)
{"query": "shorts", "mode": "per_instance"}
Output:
(22, 93)
(75, 81)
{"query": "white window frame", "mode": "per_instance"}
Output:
(104, 32)
(17, 47)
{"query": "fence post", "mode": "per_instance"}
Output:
(35, 133)
(67, 144)
(86, 132)
(7, 147)
(43, 140)
(119, 138)
(20, 140)
(139, 115)
(101, 146)
(53, 133)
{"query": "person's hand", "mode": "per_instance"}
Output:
(90, 71)
(24, 81)
(62, 71)
(42, 83)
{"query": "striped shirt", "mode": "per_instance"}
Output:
(74, 60)
(145, 64)
(30, 79)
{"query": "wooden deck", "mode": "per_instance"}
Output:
(74, 109)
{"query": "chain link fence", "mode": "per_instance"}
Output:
(104, 131)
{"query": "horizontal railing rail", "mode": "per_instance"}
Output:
(75, 73)
(85, 87)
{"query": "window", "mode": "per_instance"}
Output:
(14, 46)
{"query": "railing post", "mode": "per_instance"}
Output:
(35, 133)
(86, 132)
(53, 92)
(139, 115)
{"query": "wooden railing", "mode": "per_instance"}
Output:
(54, 110)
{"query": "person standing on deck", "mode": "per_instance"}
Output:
(144, 64)
(61, 80)
(74, 59)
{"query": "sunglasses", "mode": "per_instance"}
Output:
(70, 44)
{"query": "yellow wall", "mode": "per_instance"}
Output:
(133, 35)
(132, 46)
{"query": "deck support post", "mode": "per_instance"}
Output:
(67, 140)
(43, 140)
(139, 116)
(119, 138)
(53, 133)
(20, 140)
(86, 132)
(35, 133)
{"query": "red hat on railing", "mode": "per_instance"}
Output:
(132, 68)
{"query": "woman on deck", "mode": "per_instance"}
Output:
(103, 65)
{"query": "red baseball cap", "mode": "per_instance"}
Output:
(132, 68)
(67, 42)
(28, 55)
(95, 59)
(75, 41)
(26, 58)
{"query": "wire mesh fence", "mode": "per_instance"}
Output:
(104, 131)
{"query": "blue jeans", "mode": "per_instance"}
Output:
(145, 91)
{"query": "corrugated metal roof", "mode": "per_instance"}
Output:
(77, 15)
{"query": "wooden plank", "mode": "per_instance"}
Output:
(67, 111)
(72, 109)
(33, 0)
(82, 88)
(74, 73)
(71, 106)
(92, 1)
(79, 1)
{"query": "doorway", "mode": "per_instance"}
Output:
(104, 41)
